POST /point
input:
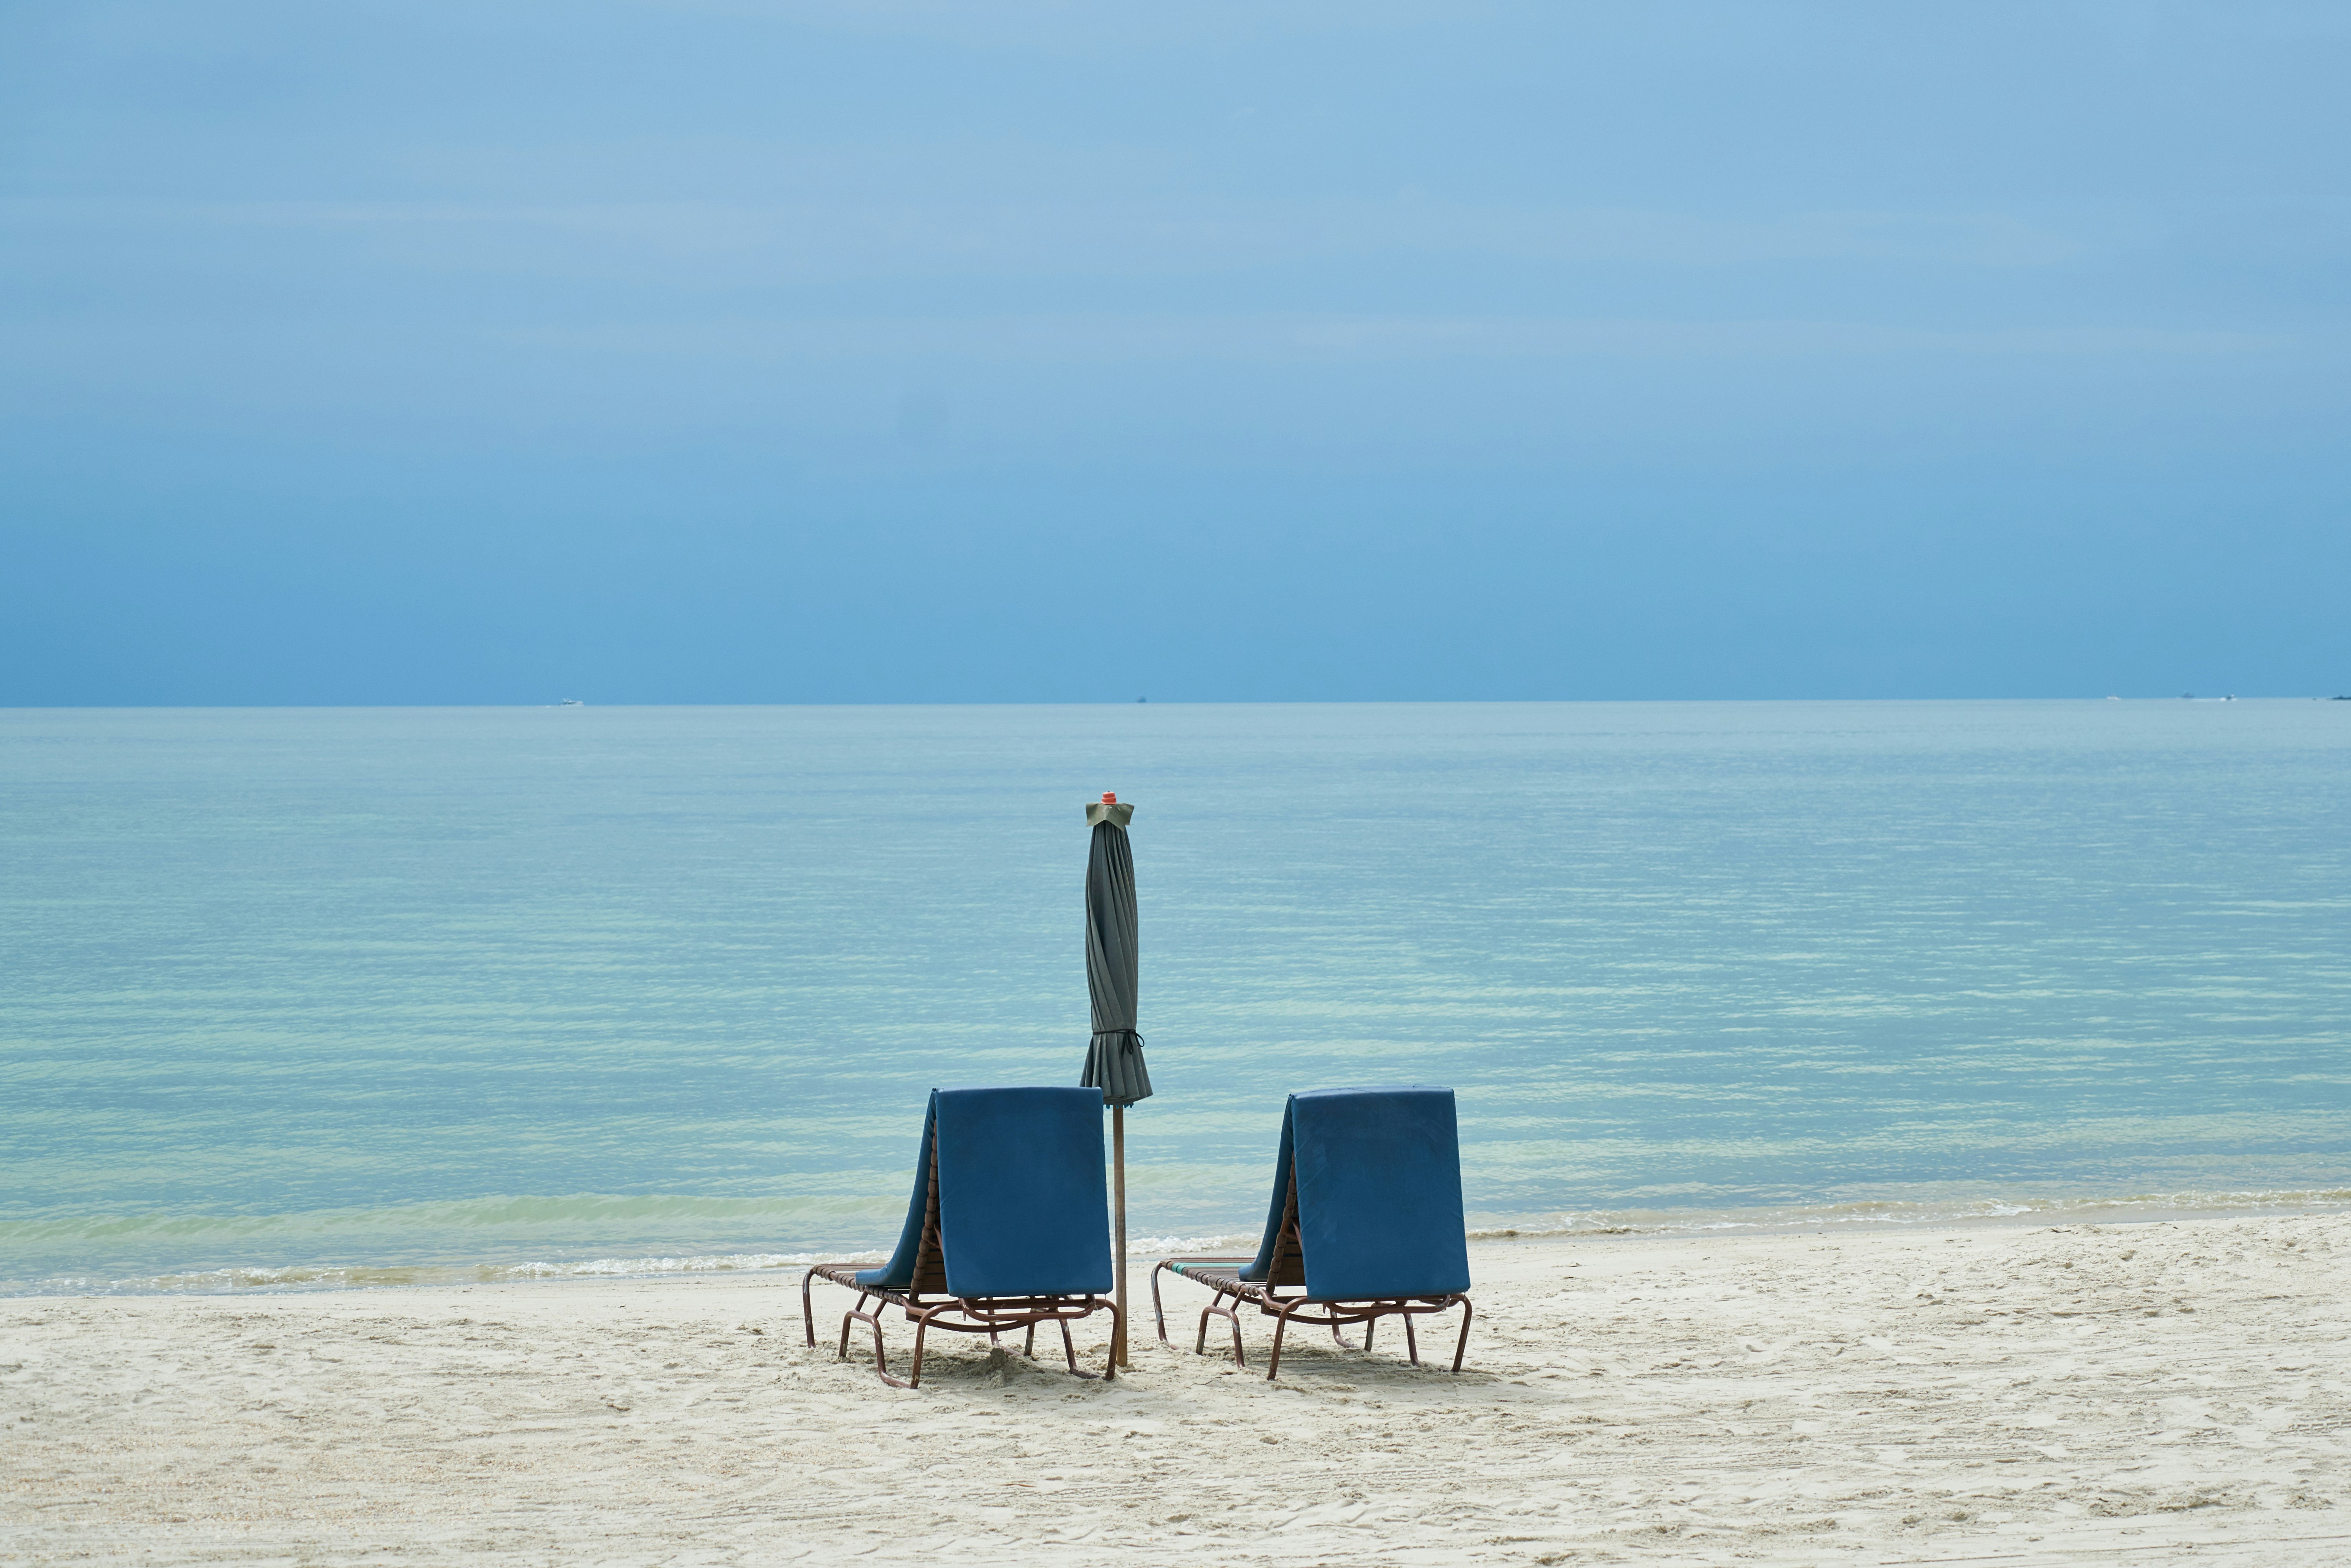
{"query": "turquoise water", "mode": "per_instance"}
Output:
(336, 996)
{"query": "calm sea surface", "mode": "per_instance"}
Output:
(300, 996)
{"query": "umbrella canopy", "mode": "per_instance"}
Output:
(1114, 1060)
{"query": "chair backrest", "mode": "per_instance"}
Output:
(1377, 1179)
(1024, 1209)
(1020, 1209)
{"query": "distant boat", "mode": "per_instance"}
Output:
(571, 702)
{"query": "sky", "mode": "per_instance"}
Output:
(738, 351)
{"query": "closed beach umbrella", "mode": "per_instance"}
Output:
(1115, 1059)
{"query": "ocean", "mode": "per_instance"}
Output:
(300, 997)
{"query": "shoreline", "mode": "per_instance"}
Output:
(1851, 1217)
(2071, 1392)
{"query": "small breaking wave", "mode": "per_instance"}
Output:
(1190, 1246)
(393, 1276)
(1908, 1213)
(611, 1262)
(364, 1276)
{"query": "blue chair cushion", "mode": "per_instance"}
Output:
(1379, 1194)
(1024, 1209)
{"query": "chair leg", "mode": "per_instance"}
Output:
(1157, 1312)
(1461, 1348)
(1231, 1314)
(1117, 1338)
(852, 1315)
(1370, 1328)
(881, 1357)
(1411, 1341)
(1280, 1325)
(808, 1313)
(922, 1327)
(1070, 1345)
(1029, 1345)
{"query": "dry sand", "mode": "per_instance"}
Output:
(2110, 1394)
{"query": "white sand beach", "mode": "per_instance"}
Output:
(2104, 1394)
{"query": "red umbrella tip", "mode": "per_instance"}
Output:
(1110, 800)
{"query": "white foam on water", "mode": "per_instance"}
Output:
(361, 1276)
(1905, 1214)
(1188, 1246)
(1858, 1215)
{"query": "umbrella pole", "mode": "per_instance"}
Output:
(1118, 1183)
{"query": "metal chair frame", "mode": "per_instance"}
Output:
(928, 1306)
(1223, 1276)
(1228, 1287)
(990, 1316)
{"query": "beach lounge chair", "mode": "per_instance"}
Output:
(1008, 1227)
(1365, 1224)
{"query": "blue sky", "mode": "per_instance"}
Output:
(739, 351)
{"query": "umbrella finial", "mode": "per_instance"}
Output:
(1110, 810)
(1110, 798)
